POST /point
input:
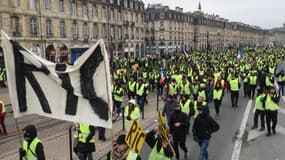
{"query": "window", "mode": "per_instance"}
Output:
(32, 4)
(161, 24)
(14, 3)
(112, 32)
(120, 33)
(111, 14)
(84, 10)
(152, 16)
(33, 23)
(161, 15)
(48, 6)
(104, 31)
(111, 1)
(62, 28)
(103, 13)
(74, 30)
(61, 6)
(73, 8)
(95, 31)
(48, 28)
(15, 26)
(119, 16)
(85, 31)
(94, 10)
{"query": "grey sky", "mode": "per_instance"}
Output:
(264, 13)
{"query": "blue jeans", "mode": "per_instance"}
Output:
(203, 143)
(83, 156)
(281, 89)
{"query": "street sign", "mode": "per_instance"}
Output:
(135, 137)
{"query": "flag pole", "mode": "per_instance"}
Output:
(19, 135)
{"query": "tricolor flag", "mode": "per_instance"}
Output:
(77, 93)
(240, 54)
(162, 76)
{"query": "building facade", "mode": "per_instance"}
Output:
(198, 31)
(167, 31)
(52, 27)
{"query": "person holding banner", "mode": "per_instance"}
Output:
(161, 149)
(132, 112)
(179, 122)
(32, 145)
(121, 151)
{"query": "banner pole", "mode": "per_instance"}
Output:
(70, 142)
(19, 136)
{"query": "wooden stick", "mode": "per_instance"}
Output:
(19, 134)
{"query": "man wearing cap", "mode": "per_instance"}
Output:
(32, 146)
(132, 112)
(178, 128)
(121, 151)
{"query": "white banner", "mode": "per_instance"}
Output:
(77, 93)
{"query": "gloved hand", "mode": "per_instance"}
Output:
(128, 118)
(22, 152)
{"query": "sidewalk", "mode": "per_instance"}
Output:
(57, 145)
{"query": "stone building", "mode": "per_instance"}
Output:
(167, 31)
(52, 27)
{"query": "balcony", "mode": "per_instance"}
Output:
(161, 28)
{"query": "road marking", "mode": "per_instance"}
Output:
(253, 134)
(238, 142)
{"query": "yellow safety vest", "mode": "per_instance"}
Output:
(135, 114)
(258, 103)
(132, 86)
(196, 112)
(84, 132)
(31, 150)
(185, 89)
(132, 155)
(118, 97)
(185, 108)
(172, 89)
(155, 155)
(252, 80)
(234, 84)
(270, 105)
(140, 91)
(218, 94)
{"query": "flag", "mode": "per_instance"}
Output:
(162, 76)
(185, 51)
(79, 93)
(240, 54)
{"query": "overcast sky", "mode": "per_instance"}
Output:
(264, 13)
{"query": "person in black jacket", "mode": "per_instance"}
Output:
(31, 151)
(178, 128)
(203, 127)
(154, 140)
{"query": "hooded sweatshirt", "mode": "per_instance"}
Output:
(31, 129)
